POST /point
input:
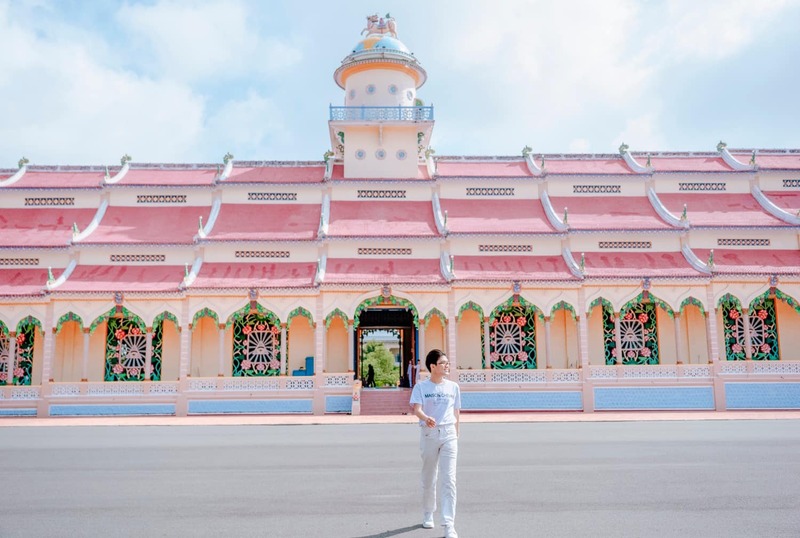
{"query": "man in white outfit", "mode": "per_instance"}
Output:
(437, 403)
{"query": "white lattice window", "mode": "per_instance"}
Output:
(3, 358)
(631, 333)
(260, 348)
(509, 339)
(758, 331)
(133, 352)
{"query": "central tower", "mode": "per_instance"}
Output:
(383, 128)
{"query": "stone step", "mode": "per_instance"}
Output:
(385, 401)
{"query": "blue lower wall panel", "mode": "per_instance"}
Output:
(338, 404)
(653, 398)
(762, 395)
(111, 409)
(18, 412)
(522, 401)
(249, 407)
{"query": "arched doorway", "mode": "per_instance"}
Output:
(385, 340)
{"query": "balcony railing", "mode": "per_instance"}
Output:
(381, 113)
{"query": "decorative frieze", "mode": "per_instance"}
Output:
(384, 252)
(791, 183)
(262, 254)
(596, 189)
(490, 191)
(620, 245)
(50, 201)
(19, 261)
(743, 242)
(381, 193)
(138, 258)
(702, 186)
(161, 199)
(272, 196)
(505, 248)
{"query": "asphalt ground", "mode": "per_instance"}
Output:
(715, 474)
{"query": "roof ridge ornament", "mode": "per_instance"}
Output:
(22, 162)
(23, 167)
(380, 25)
(534, 169)
(624, 151)
(226, 172)
(733, 162)
(125, 161)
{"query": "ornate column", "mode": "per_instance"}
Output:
(713, 352)
(617, 337)
(12, 357)
(221, 350)
(148, 356)
(351, 345)
(452, 335)
(547, 344)
(748, 348)
(318, 404)
(284, 358)
(49, 336)
(678, 339)
(186, 343)
(487, 348)
(85, 368)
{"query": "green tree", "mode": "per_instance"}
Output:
(376, 354)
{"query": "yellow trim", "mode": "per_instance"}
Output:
(347, 71)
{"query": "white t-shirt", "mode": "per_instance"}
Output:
(438, 400)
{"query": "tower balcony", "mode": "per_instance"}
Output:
(381, 113)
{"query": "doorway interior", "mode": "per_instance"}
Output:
(386, 347)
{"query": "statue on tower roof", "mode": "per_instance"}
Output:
(380, 25)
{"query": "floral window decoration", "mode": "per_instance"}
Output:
(763, 331)
(4, 351)
(512, 339)
(609, 339)
(256, 346)
(23, 364)
(126, 350)
(639, 334)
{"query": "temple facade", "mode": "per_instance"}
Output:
(626, 281)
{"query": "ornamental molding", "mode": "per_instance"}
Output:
(161, 199)
(271, 196)
(50, 201)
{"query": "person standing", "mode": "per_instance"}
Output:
(437, 404)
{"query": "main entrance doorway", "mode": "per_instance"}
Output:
(386, 347)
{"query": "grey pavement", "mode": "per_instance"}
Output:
(732, 478)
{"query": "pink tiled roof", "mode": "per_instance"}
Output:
(608, 213)
(719, 209)
(277, 174)
(446, 168)
(482, 216)
(338, 173)
(148, 225)
(39, 179)
(508, 268)
(772, 161)
(602, 165)
(389, 271)
(255, 275)
(638, 265)
(255, 222)
(17, 282)
(763, 262)
(686, 164)
(41, 227)
(790, 201)
(168, 176)
(113, 278)
(374, 218)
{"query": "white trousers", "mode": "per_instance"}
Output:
(439, 450)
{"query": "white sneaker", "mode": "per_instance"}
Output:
(427, 520)
(450, 532)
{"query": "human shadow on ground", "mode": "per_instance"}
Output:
(394, 532)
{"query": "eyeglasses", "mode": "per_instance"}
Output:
(445, 363)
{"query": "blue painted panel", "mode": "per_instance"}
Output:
(16, 412)
(528, 401)
(762, 395)
(108, 409)
(251, 407)
(655, 398)
(338, 404)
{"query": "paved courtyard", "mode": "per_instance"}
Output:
(733, 478)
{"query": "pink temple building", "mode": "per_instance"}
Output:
(629, 281)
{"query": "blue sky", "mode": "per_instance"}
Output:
(84, 82)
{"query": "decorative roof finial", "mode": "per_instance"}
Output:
(22, 162)
(185, 270)
(327, 155)
(526, 151)
(684, 216)
(721, 146)
(623, 148)
(125, 159)
(583, 262)
(566, 216)
(75, 230)
(428, 152)
(710, 262)
(200, 223)
(445, 218)
(380, 25)
(452, 263)
(541, 165)
(227, 158)
(648, 161)
(753, 158)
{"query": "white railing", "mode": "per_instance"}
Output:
(249, 384)
(21, 392)
(471, 377)
(118, 388)
(338, 380)
(652, 371)
(759, 368)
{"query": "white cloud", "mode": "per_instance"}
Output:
(642, 133)
(199, 40)
(579, 145)
(249, 124)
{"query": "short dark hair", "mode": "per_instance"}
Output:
(433, 357)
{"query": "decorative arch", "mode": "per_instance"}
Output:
(653, 299)
(563, 305)
(694, 302)
(470, 306)
(3, 328)
(600, 301)
(435, 312)
(205, 313)
(256, 342)
(512, 336)
(788, 299)
(139, 322)
(69, 316)
(337, 313)
(380, 300)
(299, 311)
(729, 299)
(159, 319)
(29, 321)
(510, 303)
(22, 366)
(245, 311)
